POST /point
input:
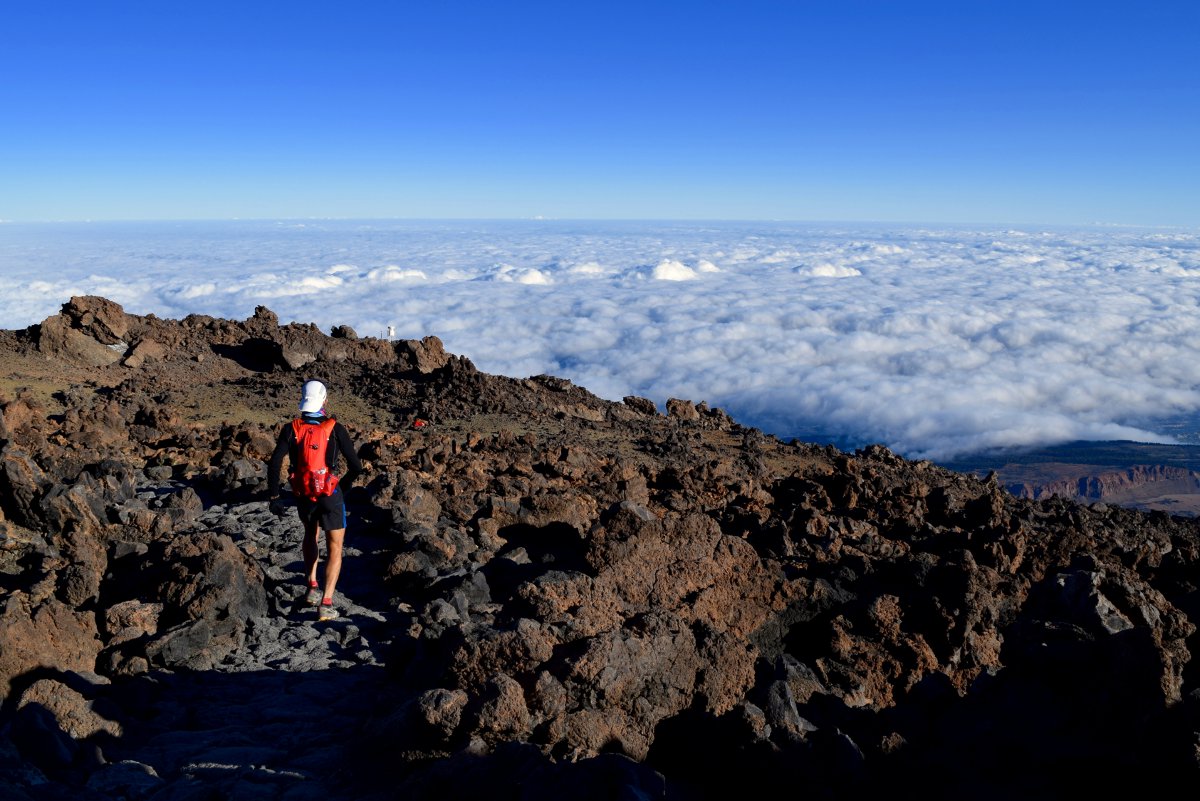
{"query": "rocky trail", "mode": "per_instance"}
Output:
(545, 595)
(290, 637)
(280, 717)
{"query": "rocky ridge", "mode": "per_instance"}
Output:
(1136, 475)
(547, 594)
(1115, 486)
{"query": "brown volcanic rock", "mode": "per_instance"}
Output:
(75, 715)
(48, 634)
(424, 356)
(659, 615)
(144, 350)
(22, 482)
(565, 577)
(90, 331)
(99, 318)
(58, 340)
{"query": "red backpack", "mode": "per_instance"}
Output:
(312, 478)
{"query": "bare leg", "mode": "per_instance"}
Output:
(310, 552)
(333, 563)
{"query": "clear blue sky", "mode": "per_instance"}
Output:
(966, 111)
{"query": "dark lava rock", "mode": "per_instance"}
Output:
(546, 594)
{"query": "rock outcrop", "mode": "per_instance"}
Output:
(1114, 486)
(546, 594)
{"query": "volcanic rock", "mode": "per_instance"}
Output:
(90, 331)
(545, 594)
(45, 634)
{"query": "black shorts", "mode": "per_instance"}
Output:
(329, 511)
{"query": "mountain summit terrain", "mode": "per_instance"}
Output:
(545, 595)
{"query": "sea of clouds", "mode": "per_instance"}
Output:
(935, 341)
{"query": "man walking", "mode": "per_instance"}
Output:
(313, 442)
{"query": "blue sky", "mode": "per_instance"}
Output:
(943, 112)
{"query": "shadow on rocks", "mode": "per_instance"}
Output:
(197, 734)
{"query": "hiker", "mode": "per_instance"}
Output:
(318, 492)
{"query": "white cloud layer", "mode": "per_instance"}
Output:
(935, 342)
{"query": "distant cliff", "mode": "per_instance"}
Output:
(1115, 486)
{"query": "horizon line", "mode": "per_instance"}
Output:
(548, 219)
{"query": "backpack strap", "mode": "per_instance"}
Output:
(326, 425)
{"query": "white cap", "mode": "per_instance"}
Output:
(313, 399)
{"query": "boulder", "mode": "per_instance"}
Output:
(58, 340)
(47, 634)
(22, 483)
(75, 713)
(144, 350)
(641, 405)
(99, 318)
(425, 355)
(682, 409)
(211, 592)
